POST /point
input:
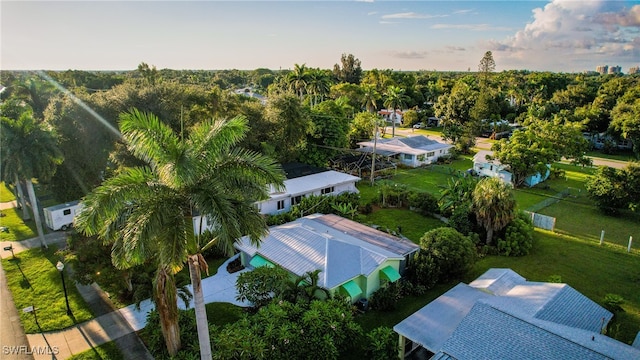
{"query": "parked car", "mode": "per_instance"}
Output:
(419, 125)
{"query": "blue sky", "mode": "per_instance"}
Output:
(558, 35)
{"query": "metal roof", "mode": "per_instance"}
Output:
(366, 233)
(305, 245)
(62, 206)
(419, 144)
(309, 183)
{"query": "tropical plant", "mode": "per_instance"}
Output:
(29, 151)
(453, 254)
(494, 205)
(261, 284)
(147, 212)
(395, 99)
(383, 344)
(298, 80)
(370, 97)
(318, 85)
(518, 239)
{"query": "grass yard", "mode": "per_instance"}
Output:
(586, 222)
(18, 229)
(105, 351)
(620, 156)
(413, 224)
(5, 193)
(220, 314)
(34, 280)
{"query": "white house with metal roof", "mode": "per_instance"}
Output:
(353, 259)
(327, 182)
(501, 315)
(412, 151)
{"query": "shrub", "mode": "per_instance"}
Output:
(152, 333)
(386, 298)
(613, 302)
(518, 239)
(462, 219)
(423, 201)
(424, 271)
(383, 344)
(259, 285)
(452, 252)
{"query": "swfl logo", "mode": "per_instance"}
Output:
(33, 350)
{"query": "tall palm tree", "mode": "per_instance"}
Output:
(394, 99)
(370, 97)
(318, 84)
(148, 211)
(493, 204)
(298, 79)
(29, 151)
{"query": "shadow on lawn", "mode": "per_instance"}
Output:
(24, 283)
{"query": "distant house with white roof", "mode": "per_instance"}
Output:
(353, 259)
(412, 151)
(501, 315)
(483, 166)
(302, 181)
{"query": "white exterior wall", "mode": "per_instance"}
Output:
(270, 206)
(491, 170)
(414, 162)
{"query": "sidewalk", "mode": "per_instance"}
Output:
(111, 325)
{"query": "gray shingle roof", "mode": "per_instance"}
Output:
(306, 245)
(489, 333)
(532, 319)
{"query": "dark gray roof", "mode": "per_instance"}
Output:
(475, 338)
(381, 239)
(532, 319)
(369, 150)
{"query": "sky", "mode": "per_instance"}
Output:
(556, 35)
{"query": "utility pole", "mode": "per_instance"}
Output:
(373, 155)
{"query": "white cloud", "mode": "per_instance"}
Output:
(372, 13)
(411, 15)
(565, 32)
(471, 27)
(411, 54)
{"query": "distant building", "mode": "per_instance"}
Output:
(615, 70)
(634, 70)
(602, 69)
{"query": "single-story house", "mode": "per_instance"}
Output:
(388, 115)
(601, 140)
(302, 181)
(493, 168)
(353, 259)
(412, 151)
(501, 315)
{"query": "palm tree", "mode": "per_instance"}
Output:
(318, 85)
(298, 79)
(370, 97)
(28, 151)
(493, 204)
(395, 99)
(148, 211)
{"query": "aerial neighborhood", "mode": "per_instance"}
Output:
(338, 211)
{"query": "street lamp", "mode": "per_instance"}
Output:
(60, 267)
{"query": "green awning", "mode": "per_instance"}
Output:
(259, 261)
(352, 288)
(390, 273)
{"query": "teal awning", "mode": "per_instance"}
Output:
(259, 261)
(390, 273)
(351, 288)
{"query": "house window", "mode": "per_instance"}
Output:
(280, 204)
(327, 190)
(430, 154)
(296, 200)
(421, 157)
(67, 212)
(408, 156)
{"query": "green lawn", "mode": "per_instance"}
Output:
(621, 156)
(34, 281)
(5, 193)
(103, 352)
(413, 225)
(18, 229)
